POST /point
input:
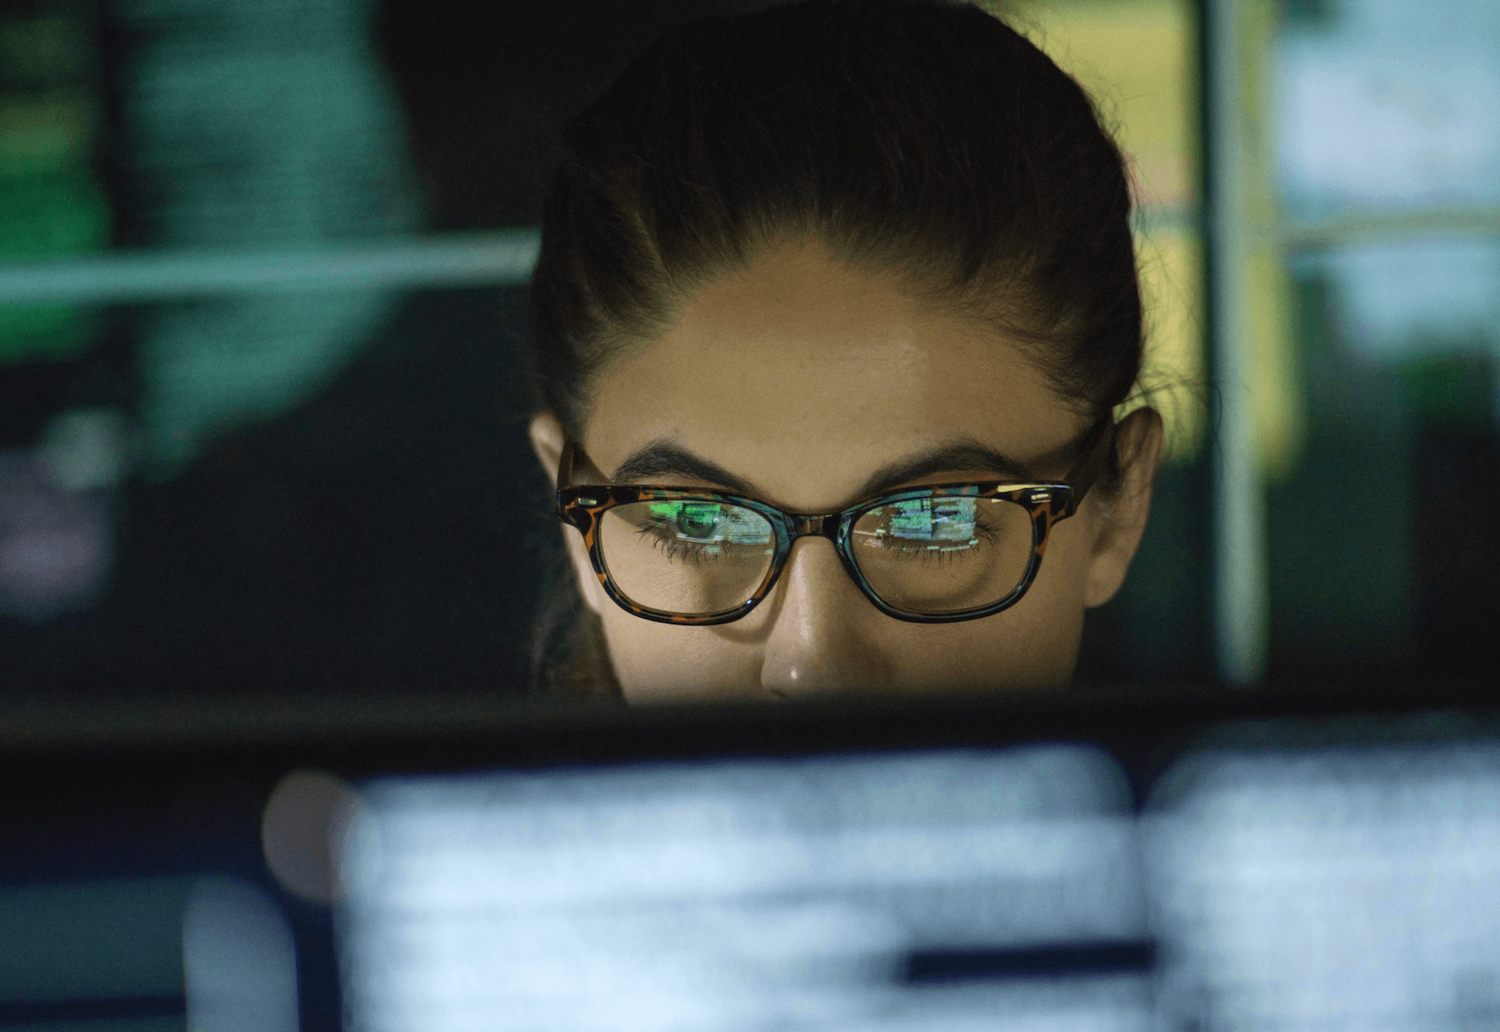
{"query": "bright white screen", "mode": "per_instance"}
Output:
(788, 894)
(1331, 890)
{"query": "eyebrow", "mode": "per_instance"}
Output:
(944, 458)
(664, 458)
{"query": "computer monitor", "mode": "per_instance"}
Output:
(1193, 860)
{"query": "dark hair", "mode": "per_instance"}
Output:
(918, 136)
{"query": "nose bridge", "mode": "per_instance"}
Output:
(817, 526)
(820, 637)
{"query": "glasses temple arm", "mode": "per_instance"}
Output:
(565, 466)
(1097, 448)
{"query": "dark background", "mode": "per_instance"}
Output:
(393, 532)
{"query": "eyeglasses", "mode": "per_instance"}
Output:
(927, 555)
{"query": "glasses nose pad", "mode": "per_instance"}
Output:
(817, 526)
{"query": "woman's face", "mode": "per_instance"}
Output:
(805, 377)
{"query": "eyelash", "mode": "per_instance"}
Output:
(906, 553)
(664, 538)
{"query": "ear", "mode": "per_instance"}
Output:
(547, 440)
(1120, 516)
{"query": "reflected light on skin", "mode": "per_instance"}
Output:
(806, 377)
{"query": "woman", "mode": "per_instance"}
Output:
(834, 308)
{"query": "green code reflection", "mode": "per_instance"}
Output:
(931, 519)
(712, 522)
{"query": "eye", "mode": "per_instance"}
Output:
(697, 522)
(940, 529)
(699, 531)
(929, 519)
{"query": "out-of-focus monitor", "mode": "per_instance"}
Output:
(1178, 862)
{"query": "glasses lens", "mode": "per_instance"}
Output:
(943, 555)
(692, 558)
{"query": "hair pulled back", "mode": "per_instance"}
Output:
(919, 136)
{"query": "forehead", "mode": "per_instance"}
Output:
(804, 375)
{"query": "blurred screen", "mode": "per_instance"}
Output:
(146, 955)
(1345, 887)
(365, 516)
(1331, 888)
(917, 867)
(941, 891)
(1383, 153)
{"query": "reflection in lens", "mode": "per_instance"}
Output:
(691, 557)
(943, 554)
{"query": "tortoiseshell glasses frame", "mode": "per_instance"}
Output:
(1046, 502)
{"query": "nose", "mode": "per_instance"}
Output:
(820, 639)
